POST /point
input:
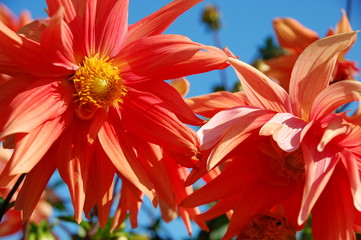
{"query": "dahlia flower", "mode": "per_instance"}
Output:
(285, 149)
(87, 97)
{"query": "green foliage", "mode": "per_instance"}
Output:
(40, 232)
(270, 50)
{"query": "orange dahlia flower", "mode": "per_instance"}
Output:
(87, 97)
(286, 149)
(294, 38)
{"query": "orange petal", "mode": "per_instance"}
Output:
(292, 35)
(260, 90)
(34, 184)
(210, 104)
(342, 92)
(313, 71)
(182, 85)
(158, 22)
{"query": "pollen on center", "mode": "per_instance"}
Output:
(98, 84)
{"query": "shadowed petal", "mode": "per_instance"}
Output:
(340, 220)
(148, 117)
(34, 185)
(313, 71)
(112, 137)
(57, 41)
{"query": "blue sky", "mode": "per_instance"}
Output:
(245, 26)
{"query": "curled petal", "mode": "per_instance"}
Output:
(313, 71)
(286, 131)
(342, 92)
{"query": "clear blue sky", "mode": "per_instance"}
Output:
(246, 24)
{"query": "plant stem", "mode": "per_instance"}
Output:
(5, 204)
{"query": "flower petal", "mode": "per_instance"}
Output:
(42, 101)
(235, 134)
(112, 26)
(213, 130)
(342, 92)
(28, 54)
(112, 137)
(34, 185)
(158, 22)
(57, 42)
(171, 98)
(181, 84)
(313, 71)
(209, 104)
(338, 223)
(148, 118)
(260, 90)
(319, 167)
(292, 35)
(350, 162)
(285, 130)
(73, 161)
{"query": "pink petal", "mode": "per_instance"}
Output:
(260, 90)
(285, 130)
(210, 104)
(313, 71)
(342, 92)
(235, 134)
(158, 22)
(212, 131)
(40, 102)
(319, 167)
(112, 24)
(336, 127)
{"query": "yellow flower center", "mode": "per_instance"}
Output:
(98, 84)
(268, 226)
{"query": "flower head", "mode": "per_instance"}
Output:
(294, 38)
(87, 97)
(288, 149)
